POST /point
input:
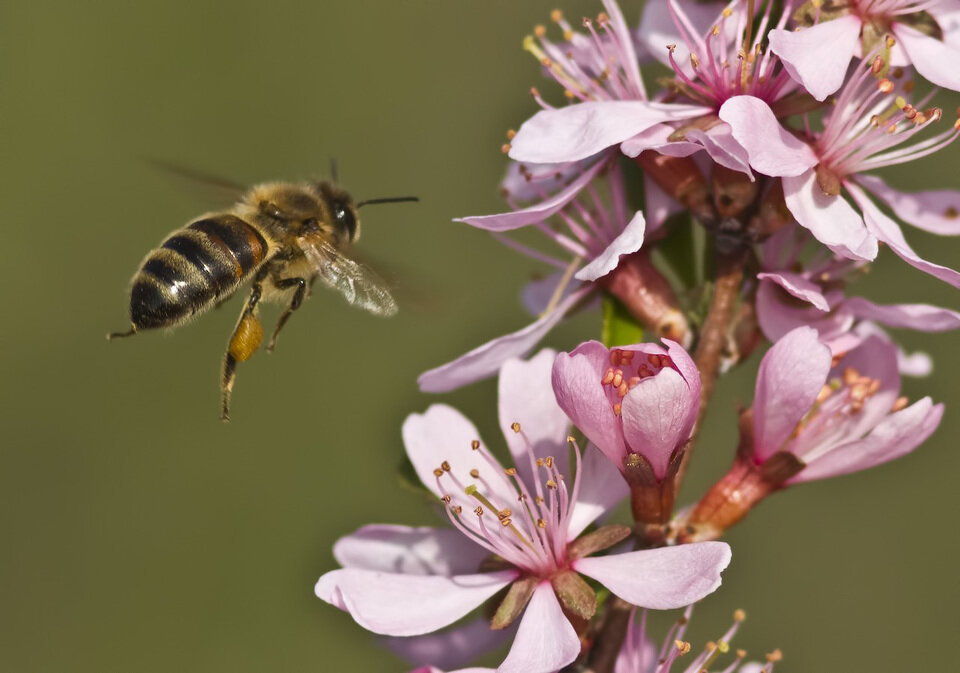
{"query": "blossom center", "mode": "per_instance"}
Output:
(626, 370)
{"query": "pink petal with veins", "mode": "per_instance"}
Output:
(771, 148)
(451, 647)
(791, 375)
(601, 488)
(485, 360)
(537, 212)
(627, 242)
(818, 56)
(581, 130)
(889, 232)
(407, 605)
(936, 211)
(576, 383)
(526, 397)
(662, 579)
(411, 551)
(830, 219)
(799, 287)
(912, 316)
(655, 414)
(935, 60)
(546, 641)
(897, 435)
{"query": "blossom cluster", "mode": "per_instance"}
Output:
(765, 131)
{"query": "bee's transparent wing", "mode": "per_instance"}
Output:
(359, 284)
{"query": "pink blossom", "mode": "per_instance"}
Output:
(640, 399)
(596, 234)
(519, 528)
(864, 131)
(834, 419)
(818, 55)
(792, 294)
(640, 655)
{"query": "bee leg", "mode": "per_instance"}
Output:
(119, 335)
(243, 343)
(284, 284)
(313, 279)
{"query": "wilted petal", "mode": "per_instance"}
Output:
(889, 232)
(830, 219)
(442, 433)
(897, 435)
(578, 131)
(790, 377)
(545, 641)
(655, 413)
(452, 647)
(772, 149)
(485, 360)
(913, 316)
(818, 56)
(662, 579)
(537, 212)
(935, 60)
(936, 211)
(410, 551)
(601, 488)
(526, 397)
(576, 383)
(409, 605)
(799, 287)
(628, 241)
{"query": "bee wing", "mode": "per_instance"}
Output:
(360, 285)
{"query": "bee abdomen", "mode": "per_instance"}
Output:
(192, 269)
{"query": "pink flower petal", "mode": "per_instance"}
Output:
(655, 137)
(830, 219)
(790, 377)
(688, 370)
(772, 149)
(576, 383)
(654, 416)
(526, 397)
(628, 241)
(875, 357)
(485, 360)
(818, 56)
(451, 647)
(441, 434)
(777, 314)
(799, 287)
(659, 205)
(935, 60)
(899, 434)
(912, 316)
(662, 579)
(722, 147)
(581, 130)
(936, 211)
(657, 29)
(537, 212)
(411, 551)
(408, 605)
(889, 232)
(601, 488)
(546, 641)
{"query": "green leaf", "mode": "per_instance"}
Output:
(619, 327)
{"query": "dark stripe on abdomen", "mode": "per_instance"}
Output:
(235, 236)
(212, 265)
(167, 290)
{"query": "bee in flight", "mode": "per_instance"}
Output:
(282, 235)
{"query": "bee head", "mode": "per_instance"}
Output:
(343, 211)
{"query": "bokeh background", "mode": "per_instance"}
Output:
(141, 534)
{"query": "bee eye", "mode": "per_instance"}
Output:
(345, 220)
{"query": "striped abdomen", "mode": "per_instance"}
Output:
(194, 268)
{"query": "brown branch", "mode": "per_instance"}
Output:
(713, 335)
(606, 647)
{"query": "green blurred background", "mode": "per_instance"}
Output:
(141, 534)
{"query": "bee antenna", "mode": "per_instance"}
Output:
(333, 169)
(389, 199)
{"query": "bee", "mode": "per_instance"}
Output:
(283, 237)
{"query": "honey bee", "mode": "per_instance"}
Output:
(282, 235)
